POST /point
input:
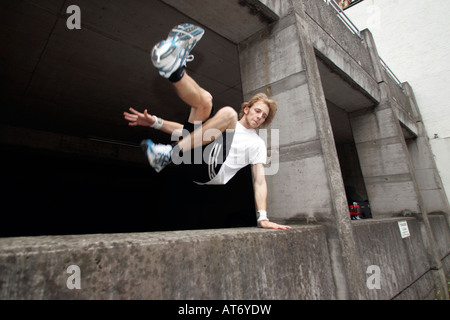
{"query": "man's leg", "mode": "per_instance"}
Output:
(170, 57)
(224, 119)
(182, 39)
(160, 155)
(194, 96)
(200, 101)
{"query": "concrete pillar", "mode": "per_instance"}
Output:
(427, 176)
(387, 168)
(308, 184)
(382, 151)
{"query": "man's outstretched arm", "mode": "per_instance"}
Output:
(260, 187)
(137, 118)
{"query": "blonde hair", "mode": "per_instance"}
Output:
(269, 102)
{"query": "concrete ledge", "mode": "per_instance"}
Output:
(247, 263)
(244, 263)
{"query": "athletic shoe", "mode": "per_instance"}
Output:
(158, 155)
(171, 54)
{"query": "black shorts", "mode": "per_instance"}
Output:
(202, 164)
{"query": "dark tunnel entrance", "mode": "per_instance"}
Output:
(48, 194)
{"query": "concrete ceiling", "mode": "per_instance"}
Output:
(79, 82)
(341, 90)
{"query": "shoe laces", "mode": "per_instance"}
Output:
(190, 58)
(163, 158)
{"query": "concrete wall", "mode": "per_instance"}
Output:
(245, 263)
(404, 264)
(441, 236)
(215, 264)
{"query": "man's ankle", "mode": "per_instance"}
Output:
(177, 75)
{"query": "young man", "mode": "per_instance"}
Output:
(213, 147)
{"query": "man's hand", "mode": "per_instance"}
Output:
(272, 225)
(136, 118)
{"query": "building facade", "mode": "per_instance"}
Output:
(343, 120)
(419, 56)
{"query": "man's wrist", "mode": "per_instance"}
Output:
(262, 216)
(158, 123)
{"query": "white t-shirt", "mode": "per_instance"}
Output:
(247, 148)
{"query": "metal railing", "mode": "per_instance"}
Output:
(390, 73)
(346, 20)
